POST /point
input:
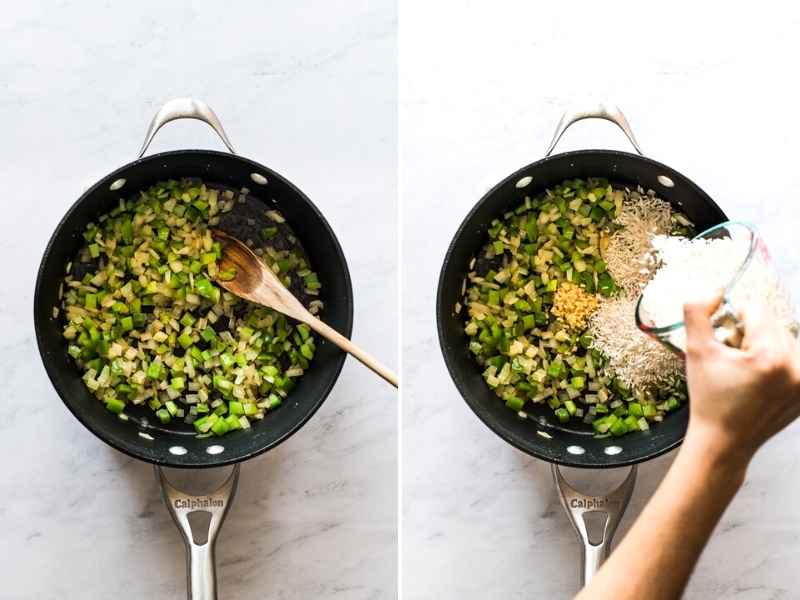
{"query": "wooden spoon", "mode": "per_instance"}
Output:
(256, 282)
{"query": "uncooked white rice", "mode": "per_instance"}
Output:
(634, 357)
(629, 255)
(698, 268)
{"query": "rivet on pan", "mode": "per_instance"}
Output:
(612, 450)
(117, 184)
(178, 450)
(665, 181)
(525, 181)
(215, 449)
(576, 449)
(258, 178)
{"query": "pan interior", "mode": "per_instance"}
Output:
(267, 191)
(541, 435)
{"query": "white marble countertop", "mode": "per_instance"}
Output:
(708, 92)
(311, 90)
(308, 89)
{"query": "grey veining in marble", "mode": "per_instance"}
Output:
(308, 89)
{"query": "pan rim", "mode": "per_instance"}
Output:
(205, 451)
(563, 447)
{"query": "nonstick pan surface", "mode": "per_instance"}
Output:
(541, 435)
(178, 446)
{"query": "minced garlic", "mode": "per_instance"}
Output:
(573, 304)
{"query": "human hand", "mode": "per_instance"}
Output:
(739, 398)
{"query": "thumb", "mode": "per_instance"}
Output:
(697, 318)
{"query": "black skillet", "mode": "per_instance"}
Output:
(542, 436)
(176, 445)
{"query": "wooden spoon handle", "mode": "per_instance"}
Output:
(337, 338)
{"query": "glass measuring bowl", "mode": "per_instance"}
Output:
(748, 277)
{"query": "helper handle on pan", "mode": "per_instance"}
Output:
(577, 505)
(184, 108)
(593, 110)
(201, 566)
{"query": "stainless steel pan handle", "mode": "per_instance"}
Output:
(185, 108)
(201, 566)
(593, 110)
(578, 504)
